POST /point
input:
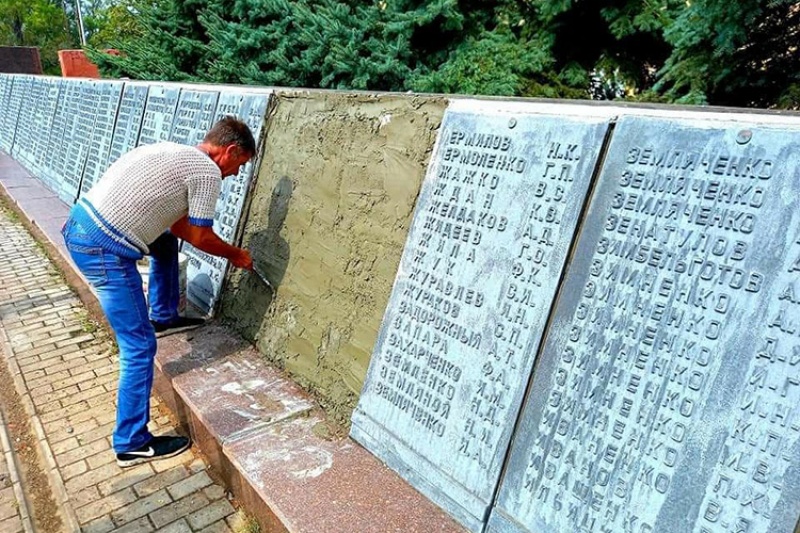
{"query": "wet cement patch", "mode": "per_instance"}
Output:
(327, 224)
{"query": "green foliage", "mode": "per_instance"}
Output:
(39, 23)
(118, 22)
(734, 53)
(696, 51)
(495, 62)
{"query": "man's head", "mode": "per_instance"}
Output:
(230, 144)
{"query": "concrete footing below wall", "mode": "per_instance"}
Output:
(267, 440)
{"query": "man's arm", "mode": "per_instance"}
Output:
(205, 239)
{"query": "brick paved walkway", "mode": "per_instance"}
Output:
(13, 510)
(65, 370)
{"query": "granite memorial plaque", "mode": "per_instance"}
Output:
(109, 94)
(484, 255)
(56, 157)
(19, 90)
(193, 117)
(159, 112)
(205, 273)
(42, 125)
(22, 151)
(129, 121)
(77, 138)
(666, 395)
(6, 135)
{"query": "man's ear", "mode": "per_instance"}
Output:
(231, 150)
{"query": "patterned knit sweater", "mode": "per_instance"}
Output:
(144, 192)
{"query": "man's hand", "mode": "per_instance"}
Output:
(205, 239)
(242, 260)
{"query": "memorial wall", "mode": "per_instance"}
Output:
(547, 317)
(68, 131)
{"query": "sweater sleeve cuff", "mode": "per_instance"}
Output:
(202, 222)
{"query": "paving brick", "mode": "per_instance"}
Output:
(172, 462)
(217, 527)
(11, 525)
(85, 497)
(73, 470)
(40, 377)
(141, 525)
(141, 507)
(8, 509)
(44, 389)
(127, 478)
(99, 432)
(58, 430)
(75, 340)
(179, 509)
(65, 445)
(160, 481)
(214, 492)
(208, 515)
(72, 379)
(103, 458)
(76, 408)
(189, 485)
(92, 477)
(181, 526)
(105, 505)
(82, 452)
(84, 395)
(101, 525)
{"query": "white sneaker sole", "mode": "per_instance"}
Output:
(125, 463)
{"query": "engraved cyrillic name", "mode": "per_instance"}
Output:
(18, 93)
(204, 274)
(748, 480)
(664, 399)
(475, 284)
(43, 123)
(193, 117)
(56, 159)
(129, 121)
(6, 127)
(22, 150)
(158, 115)
(78, 130)
(102, 133)
(666, 275)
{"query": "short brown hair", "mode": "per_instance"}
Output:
(231, 130)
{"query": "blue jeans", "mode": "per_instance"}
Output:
(118, 286)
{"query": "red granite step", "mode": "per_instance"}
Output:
(275, 449)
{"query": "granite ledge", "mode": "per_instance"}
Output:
(275, 449)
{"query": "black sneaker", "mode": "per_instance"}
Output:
(157, 448)
(176, 326)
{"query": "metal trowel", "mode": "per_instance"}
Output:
(260, 275)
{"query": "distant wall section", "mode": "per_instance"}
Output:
(327, 222)
(20, 60)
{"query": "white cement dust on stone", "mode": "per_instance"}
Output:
(238, 389)
(307, 462)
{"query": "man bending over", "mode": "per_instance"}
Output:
(143, 204)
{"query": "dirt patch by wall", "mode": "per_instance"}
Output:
(327, 222)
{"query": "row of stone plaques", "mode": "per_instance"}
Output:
(67, 132)
(638, 374)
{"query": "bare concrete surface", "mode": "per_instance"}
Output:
(328, 219)
(64, 368)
